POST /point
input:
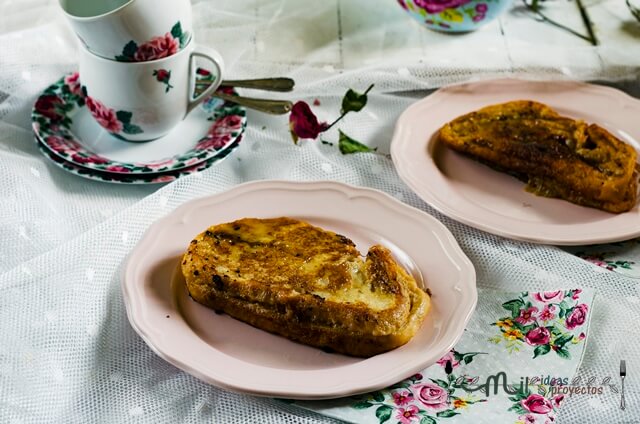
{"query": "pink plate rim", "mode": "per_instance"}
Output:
(176, 342)
(412, 148)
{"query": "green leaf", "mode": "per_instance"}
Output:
(401, 385)
(440, 383)
(428, 420)
(447, 414)
(378, 396)
(514, 306)
(362, 405)
(184, 39)
(132, 129)
(354, 101)
(124, 116)
(565, 305)
(518, 409)
(348, 145)
(541, 350)
(128, 51)
(563, 340)
(384, 413)
(563, 353)
(176, 31)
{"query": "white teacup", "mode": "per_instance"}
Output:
(142, 101)
(131, 30)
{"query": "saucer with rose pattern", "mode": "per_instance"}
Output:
(132, 178)
(63, 124)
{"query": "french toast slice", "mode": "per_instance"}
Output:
(557, 156)
(307, 284)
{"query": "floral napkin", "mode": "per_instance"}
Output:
(621, 257)
(530, 344)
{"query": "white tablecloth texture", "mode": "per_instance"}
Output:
(67, 351)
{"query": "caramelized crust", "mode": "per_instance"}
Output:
(556, 156)
(304, 283)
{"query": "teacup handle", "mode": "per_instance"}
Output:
(216, 60)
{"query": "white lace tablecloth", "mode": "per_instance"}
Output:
(67, 352)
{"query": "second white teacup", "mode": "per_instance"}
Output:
(142, 101)
(130, 30)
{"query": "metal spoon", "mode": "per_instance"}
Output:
(267, 84)
(273, 107)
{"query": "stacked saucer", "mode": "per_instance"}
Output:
(68, 135)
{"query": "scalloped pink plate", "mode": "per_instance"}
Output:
(230, 354)
(494, 202)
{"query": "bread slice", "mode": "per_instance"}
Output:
(557, 156)
(290, 278)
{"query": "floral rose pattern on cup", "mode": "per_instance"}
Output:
(112, 121)
(104, 116)
(545, 321)
(163, 76)
(156, 48)
(420, 400)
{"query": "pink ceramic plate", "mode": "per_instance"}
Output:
(497, 203)
(238, 357)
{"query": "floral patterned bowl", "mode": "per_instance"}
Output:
(454, 15)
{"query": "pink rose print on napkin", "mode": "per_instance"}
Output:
(548, 297)
(548, 321)
(537, 404)
(408, 415)
(437, 6)
(577, 317)
(424, 399)
(105, 116)
(402, 398)
(547, 313)
(558, 401)
(538, 336)
(527, 315)
(449, 357)
(432, 396)
(534, 408)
